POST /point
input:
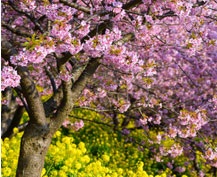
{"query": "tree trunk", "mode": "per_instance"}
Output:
(34, 146)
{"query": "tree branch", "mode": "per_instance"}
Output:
(70, 96)
(65, 106)
(132, 4)
(76, 6)
(16, 31)
(54, 101)
(100, 28)
(20, 129)
(7, 49)
(115, 130)
(21, 98)
(94, 121)
(86, 75)
(36, 109)
(51, 79)
(94, 109)
(27, 15)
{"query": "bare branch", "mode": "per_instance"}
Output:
(93, 109)
(168, 14)
(51, 104)
(115, 70)
(209, 17)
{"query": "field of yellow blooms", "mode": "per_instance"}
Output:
(93, 151)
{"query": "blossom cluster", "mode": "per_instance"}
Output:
(189, 124)
(9, 78)
(211, 155)
(26, 57)
(75, 126)
(98, 45)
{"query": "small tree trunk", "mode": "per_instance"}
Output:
(8, 111)
(34, 146)
(14, 123)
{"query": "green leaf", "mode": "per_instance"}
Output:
(33, 37)
(26, 44)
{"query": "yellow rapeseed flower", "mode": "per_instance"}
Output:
(15, 130)
(6, 171)
(106, 158)
(62, 173)
(54, 173)
(78, 166)
(58, 133)
(43, 172)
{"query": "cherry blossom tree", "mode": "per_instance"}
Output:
(150, 61)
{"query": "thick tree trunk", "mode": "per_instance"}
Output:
(34, 146)
(37, 138)
(37, 135)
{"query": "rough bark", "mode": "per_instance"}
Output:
(34, 146)
(36, 139)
